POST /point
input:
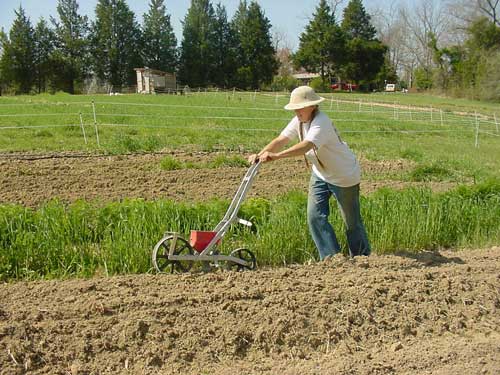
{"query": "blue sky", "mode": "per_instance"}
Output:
(288, 17)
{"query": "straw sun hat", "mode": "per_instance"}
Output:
(303, 96)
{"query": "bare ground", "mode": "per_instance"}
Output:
(32, 179)
(433, 313)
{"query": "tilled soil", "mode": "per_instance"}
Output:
(432, 313)
(32, 179)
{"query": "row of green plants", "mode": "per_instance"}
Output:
(87, 239)
(171, 163)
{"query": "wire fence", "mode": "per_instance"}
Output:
(264, 108)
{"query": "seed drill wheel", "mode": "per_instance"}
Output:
(160, 259)
(245, 255)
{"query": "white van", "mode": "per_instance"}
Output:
(390, 87)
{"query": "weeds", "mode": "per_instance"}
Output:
(84, 239)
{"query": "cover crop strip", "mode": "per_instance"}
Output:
(86, 239)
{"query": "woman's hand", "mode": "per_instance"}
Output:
(252, 159)
(267, 156)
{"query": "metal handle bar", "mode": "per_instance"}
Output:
(234, 207)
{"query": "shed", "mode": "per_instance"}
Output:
(150, 81)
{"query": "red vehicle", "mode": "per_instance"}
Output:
(344, 86)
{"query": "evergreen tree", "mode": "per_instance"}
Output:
(322, 44)
(365, 54)
(160, 43)
(256, 54)
(356, 22)
(197, 48)
(3, 42)
(71, 58)
(44, 47)
(116, 42)
(224, 50)
(17, 62)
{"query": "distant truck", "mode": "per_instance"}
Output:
(344, 86)
(390, 87)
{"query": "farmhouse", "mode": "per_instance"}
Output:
(150, 81)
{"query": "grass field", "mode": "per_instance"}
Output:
(430, 135)
(445, 140)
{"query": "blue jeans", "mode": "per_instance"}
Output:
(318, 210)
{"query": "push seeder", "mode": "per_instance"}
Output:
(175, 254)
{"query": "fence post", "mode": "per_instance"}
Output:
(254, 95)
(441, 114)
(431, 113)
(95, 125)
(83, 129)
(234, 91)
(496, 121)
(477, 130)
(331, 101)
(276, 98)
(359, 108)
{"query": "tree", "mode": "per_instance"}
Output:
(71, 57)
(17, 59)
(197, 47)
(160, 43)
(425, 19)
(256, 54)
(356, 22)
(44, 48)
(490, 9)
(391, 32)
(224, 69)
(322, 44)
(3, 43)
(365, 53)
(116, 40)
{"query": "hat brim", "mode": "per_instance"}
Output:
(294, 106)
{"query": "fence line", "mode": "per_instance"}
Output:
(464, 122)
(397, 113)
(238, 129)
(396, 109)
(453, 119)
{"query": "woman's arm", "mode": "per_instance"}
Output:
(274, 146)
(296, 150)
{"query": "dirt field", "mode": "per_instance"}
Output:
(32, 179)
(435, 313)
(401, 314)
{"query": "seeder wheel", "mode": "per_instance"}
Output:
(245, 255)
(160, 259)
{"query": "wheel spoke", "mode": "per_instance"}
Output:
(160, 257)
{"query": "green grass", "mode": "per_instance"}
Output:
(170, 163)
(84, 239)
(245, 123)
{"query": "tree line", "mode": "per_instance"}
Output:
(60, 54)
(447, 46)
(414, 47)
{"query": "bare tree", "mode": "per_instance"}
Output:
(391, 30)
(464, 12)
(420, 21)
(491, 9)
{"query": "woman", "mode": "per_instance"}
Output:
(335, 171)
